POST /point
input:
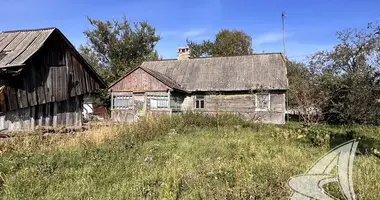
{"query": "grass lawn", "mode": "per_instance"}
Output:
(179, 162)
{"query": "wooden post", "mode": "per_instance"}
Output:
(111, 101)
(55, 114)
(169, 107)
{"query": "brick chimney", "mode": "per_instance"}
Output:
(183, 53)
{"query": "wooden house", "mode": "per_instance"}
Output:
(252, 86)
(43, 80)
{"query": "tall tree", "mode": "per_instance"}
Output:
(114, 47)
(348, 76)
(227, 43)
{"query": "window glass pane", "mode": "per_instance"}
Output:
(122, 102)
(202, 104)
(262, 101)
(196, 104)
(153, 103)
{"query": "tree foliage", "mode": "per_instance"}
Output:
(227, 43)
(344, 82)
(114, 47)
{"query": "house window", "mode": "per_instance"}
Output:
(158, 101)
(122, 101)
(175, 103)
(199, 101)
(262, 101)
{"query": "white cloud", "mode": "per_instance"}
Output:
(267, 38)
(191, 33)
(194, 32)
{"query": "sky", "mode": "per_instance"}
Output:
(310, 24)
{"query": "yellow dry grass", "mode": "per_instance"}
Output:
(28, 141)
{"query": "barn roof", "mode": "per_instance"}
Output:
(237, 73)
(16, 47)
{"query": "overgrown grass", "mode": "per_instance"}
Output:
(188, 156)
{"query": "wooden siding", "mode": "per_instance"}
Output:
(63, 113)
(52, 75)
(139, 80)
(132, 115)
(242, 105)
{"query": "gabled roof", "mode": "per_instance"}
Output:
(236, 73)
(17, 47)
(161, 77)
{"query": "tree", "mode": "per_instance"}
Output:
(114, 47)
(303, 97)
(227, 43)
(348, 75)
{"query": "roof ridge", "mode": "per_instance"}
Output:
(201, 58)
(26, 30)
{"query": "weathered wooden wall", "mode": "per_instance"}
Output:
(241, 104)
(139, 80)
(63, 113)
(132, 115)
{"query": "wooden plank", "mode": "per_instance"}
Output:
(75, 76)
(40, 114)
(32, 117)
(59, 113)
(71, 87)
(87, 78)
(49, 83)
(58, 83)
(12, 98)
(40, 82)
(67, 112)
(48, 116)
(26, 118)
(80, 110)
(55, 107)
(78, 77)
(65, 83)
(83, 79)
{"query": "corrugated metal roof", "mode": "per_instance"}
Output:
(237, 73)
(18, 46)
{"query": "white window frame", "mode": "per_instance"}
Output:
(126, 104)
(257, 102)
(175, 103)
(200, 98)
(162, 101)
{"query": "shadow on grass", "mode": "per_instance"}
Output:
(366, 146)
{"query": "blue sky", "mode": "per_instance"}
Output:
(310, 24)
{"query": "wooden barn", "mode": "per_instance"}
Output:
(43, 80)
(252, 86)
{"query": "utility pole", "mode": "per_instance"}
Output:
(287, 110)
(283, 15)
